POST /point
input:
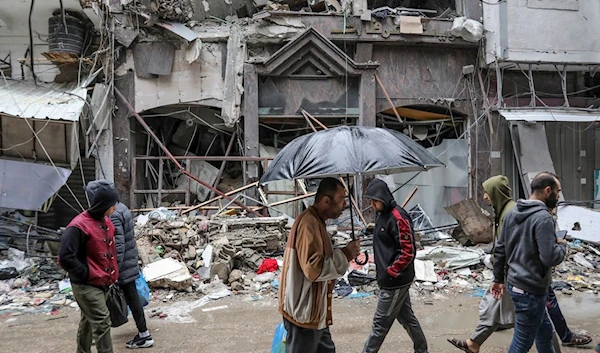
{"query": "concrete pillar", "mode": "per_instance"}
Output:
(122, 138)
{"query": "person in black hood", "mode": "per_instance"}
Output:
(529, 247)
(127, 259)
(88, 253)
(394, 250)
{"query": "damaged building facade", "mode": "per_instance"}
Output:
(542, 94)
(219, 97)
(184, 103)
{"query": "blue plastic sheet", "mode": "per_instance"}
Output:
(278, 345)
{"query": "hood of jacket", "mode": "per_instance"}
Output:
(526, 208)
(102, 196)
(499, 192)
(379, 191)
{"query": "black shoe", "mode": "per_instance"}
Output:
(139, 342)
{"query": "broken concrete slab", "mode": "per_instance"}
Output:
(424, 271)
(476, 225)
(167, 273)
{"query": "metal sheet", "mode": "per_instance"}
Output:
(580, 223)
(449, 185)
(55, 102)
(574, 116)
(532, 153)
(26, 186)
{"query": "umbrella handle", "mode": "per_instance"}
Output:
(358, 262)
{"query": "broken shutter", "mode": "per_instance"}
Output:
(530, 145)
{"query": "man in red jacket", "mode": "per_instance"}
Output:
(395, 250)
(88, 254)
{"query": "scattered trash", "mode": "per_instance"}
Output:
(268, 265)
(451, 258)
(581, 260)
(478, 292)
(359, 295)
(215, 308)
(265, 277)
(342, 288)
(8, 273)
(424, 271)
(64, 286)
(356, 278)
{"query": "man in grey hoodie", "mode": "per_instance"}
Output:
(528, 246)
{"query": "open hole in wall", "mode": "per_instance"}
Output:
(189, 133)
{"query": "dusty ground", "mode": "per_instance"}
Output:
(247, 326)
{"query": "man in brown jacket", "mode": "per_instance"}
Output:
(310, 267)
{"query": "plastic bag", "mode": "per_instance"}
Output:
(143, 290)
(279, 338)
(8, 273)
(117, 306)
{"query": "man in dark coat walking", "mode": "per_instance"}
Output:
(127, 259)
(395, 251)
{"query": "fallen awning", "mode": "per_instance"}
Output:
(55, 102)
(27, 186)
(550, 115)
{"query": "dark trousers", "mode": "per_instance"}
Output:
(532, 323)
(392, 305)
(560, 324)
(95, 319)
(304, 340)
(135, 305)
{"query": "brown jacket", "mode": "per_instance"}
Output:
(310, 268)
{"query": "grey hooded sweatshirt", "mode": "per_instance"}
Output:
(527, 245)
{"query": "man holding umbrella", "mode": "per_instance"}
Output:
(310, 267)
(395, 251)
(310, 263)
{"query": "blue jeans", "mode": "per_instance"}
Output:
(531, 323)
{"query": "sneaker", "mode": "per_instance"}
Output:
(139, 342)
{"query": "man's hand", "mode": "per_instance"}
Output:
(354, 248)
(497, 290)
(562, 241)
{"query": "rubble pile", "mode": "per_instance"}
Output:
(32, 285)
(196, 253)
(172, 10)
(580, 270)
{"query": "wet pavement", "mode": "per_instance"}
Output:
(248, 326)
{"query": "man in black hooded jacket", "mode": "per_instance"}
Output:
(395, 250)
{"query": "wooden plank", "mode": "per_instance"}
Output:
(208, 202)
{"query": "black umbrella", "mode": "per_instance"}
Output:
(349, 150)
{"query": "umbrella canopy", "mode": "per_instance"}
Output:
(349, 150)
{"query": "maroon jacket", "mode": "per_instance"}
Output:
(88, 251)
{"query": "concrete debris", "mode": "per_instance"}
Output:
(36, 287)
(173, 10)
(167, 273)
(227, 248)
